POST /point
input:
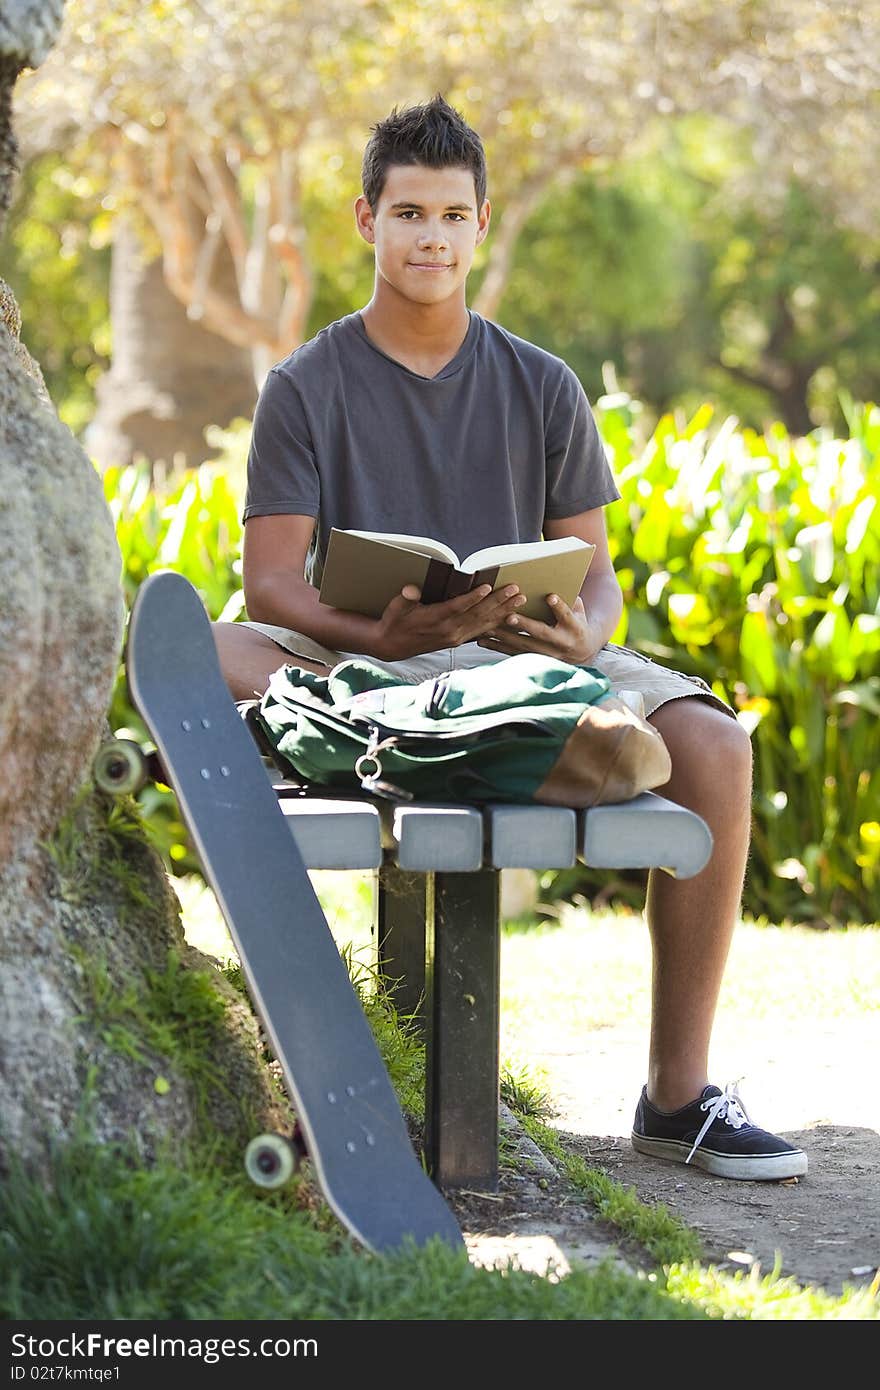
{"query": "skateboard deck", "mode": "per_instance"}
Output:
(346, 1107)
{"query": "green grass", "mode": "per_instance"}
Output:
(173, 1013)
(189, 1238)
(579, 975)
(796, 1004)
(524, 1092)
(112, 1240)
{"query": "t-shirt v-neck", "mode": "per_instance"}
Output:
(452, 367)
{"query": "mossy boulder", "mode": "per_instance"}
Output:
(109, 1019)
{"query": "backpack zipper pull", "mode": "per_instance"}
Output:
(370, 780)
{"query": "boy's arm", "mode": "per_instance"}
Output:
(276, 592)
(580, 632)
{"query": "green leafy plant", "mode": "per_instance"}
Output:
(189, 521)
(752, 560)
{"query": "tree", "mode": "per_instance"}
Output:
(794, 299)
(766, 306)
(211, 115)
(169, 376)
(212, 118)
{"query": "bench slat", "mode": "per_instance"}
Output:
(644, 833)
(426, 838)
(335, 834)
(531, 837)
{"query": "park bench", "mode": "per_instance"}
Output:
(437, 928)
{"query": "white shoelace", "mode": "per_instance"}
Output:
(728, 1107)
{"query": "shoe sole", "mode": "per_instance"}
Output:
(760, 1168)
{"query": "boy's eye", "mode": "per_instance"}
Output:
(410, 213)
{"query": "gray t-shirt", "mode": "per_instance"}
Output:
(478, 455)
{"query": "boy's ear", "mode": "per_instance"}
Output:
(483, 219)
(363, 215)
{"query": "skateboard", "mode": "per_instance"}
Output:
(349, 1121)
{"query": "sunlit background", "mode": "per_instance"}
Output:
(685, 207)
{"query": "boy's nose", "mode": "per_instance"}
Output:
(433, 237)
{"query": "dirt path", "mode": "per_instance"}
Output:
(824, 1229)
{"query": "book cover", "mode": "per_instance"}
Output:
(365, 570)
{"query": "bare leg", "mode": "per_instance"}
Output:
(248, 658)
(691, 921)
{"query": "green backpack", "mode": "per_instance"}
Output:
(526, 729)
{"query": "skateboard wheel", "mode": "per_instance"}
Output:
(270, 1160)
(120, 767)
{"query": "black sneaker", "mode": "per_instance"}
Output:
(715, 1133)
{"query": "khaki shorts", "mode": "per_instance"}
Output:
(627, 670)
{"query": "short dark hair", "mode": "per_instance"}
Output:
(434, 134)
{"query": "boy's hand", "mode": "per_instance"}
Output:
(571, 639)
(409, 627)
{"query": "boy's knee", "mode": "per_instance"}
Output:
(706, 746)
(733, 752)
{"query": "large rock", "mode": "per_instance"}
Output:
(90, 934)
(61, 607)
(109, 1019)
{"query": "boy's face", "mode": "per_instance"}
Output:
(425, 231)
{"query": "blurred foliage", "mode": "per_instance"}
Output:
(768, 308)
(753, 560)
(188, 521)
(647, 165)
(56, 259)
(750, 559)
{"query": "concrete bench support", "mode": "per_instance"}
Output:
(438, 927)
(462, 1016)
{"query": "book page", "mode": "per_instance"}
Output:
(528, 550)
(422, 545)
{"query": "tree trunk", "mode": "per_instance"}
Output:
(170, 377)
(792, 398)
(90, 937)
(787, 384)
(503, 244)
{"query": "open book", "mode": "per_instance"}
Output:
(364, 570)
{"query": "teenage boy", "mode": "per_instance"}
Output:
(417, 415)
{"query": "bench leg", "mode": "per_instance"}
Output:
(463, 1003)
(405, 903)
